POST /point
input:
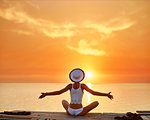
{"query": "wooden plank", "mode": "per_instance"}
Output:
(17, 116)
(145, 111)
(146, 114)
(145, 118)
(63, 116)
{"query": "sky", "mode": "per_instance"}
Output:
(43, 40)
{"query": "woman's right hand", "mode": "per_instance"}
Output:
(42, 96)
(110, 96)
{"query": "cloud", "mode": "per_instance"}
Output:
(43, 26)
(17, 15)
(23, 32)
(106, 29)
(48, 28)
(13, 14)
(56, 31)
(86, 49)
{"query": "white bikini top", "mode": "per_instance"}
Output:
(76, 95)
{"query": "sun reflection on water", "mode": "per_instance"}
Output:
(88, 94)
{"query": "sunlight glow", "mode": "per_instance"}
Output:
(89, 74)
(89, 85)
(87, 93)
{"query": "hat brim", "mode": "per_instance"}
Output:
(79, 79)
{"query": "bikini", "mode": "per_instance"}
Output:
(76, 98)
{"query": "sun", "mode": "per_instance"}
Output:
(89, 74)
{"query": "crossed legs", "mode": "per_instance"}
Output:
(88, 108)
(65, 105)
(85, 109)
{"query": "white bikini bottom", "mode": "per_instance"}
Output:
(74, 111)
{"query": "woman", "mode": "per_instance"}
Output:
(76, 92)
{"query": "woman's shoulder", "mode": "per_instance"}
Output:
(69, 85)
(83, 85)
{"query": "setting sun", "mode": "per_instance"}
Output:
(89, 74)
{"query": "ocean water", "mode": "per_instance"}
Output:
(24, 96)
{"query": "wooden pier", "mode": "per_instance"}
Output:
(63, 116)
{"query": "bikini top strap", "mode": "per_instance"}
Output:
(80, 85)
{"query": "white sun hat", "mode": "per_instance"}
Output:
(77, 75)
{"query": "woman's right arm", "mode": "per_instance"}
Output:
(55, 92)
(97, 93)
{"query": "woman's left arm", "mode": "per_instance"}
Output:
(55, 92)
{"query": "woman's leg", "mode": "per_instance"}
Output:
(65, 105)
(89, 108)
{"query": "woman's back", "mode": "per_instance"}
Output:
(76, 95)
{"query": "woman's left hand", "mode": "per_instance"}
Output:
(42, 96)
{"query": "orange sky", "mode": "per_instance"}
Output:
(43, 40)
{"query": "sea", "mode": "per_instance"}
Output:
(128, 97)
